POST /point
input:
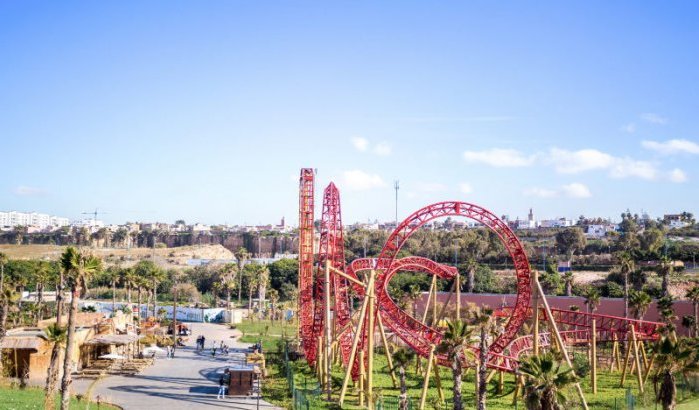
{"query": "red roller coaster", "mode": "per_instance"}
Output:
(505, 349)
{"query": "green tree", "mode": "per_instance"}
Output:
(665, 269)
(452, 345)
(401, 358)
(546, 379)
(241, 255)
(77, 268)
(113, 274)
(626, 266)
(592, 299)
(154, 274)
(651, 240)
(228, 275)
(570, 240)
(639, 301)
(693, 295)
(672, 358)
(56, 335)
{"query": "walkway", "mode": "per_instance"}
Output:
(189, 381)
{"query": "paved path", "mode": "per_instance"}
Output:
(189, 381)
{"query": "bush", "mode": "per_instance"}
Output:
(612, 290)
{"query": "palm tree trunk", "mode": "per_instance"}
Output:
(696, 319)
(155, 299)
(457, 372)
(668, 391)
(665, 284)
(249, 301)
(471, 282)
(261, 290)
(482, 369)
(68, 360)
(139, 307)
(39, 302)
(113, 297)
(626, 294)
(52, 378)
(569, 287)
(228, 298)
(403, 398)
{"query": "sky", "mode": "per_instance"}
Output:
(206, 111)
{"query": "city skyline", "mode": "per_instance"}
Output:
(157, 112)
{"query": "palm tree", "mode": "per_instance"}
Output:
(693, 295)
(216, 290)
(52, 374)
(639, 302)
(401, 358)
(414, 293)
(626, 266)
(672, 357)
(128, 279)
(113, 275)
(251, 281)
(452, 345)
(667, 313)
(568, 278)
(689, 322)
(227, 274)
(471, 266)
(273, 298)
(42, 275)
(56, 335)
(484, 323)
(78, 268)
(592, 299)
(3, 302)
(241, 255)
(262, 283)
(665, 269)
(547, 377)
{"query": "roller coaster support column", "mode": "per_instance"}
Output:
(535, 310)
(593, 357)
(370, 346)
(355, 341)
(559, 339)
(639, 376)
(328, 336)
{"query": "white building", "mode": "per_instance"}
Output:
(31, 219)
(556, 223)
(599, 231)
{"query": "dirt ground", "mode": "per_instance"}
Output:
(165, 257)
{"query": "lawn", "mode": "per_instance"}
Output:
(33, 399)
(609, 395)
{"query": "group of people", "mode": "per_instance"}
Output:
(200, 342)
(222, 347)
(170, 352)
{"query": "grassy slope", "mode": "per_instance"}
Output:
(33, 399)
(276, 390)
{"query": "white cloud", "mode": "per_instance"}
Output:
(498, 157)
(630, 128)
(674, 146)
(23, 190)
(573, 162)
(358, 180)
(677, 176)
(653, 118)
(465, 188)
(360, 144)
(541, 192)
(382, 149)
(627, 167)
(573, 190)
(431, 187)
(576, 190)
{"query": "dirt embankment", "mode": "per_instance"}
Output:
(165, 257)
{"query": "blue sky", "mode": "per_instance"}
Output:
(206, 111)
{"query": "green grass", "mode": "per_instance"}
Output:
(33, 399)
(275, 387)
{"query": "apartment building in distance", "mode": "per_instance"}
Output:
(10, 219)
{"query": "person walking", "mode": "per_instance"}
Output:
(221, 388)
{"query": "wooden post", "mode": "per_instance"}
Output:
(429, 299)
(616, 354)
(554, 330)
(636, 357)
(370, 347)
(355, 342)
(518, 388)
(361, 379)
(593, 357)
(642, 348)
(650, 366)
(501, 382)
(389, 359)
(627, 359)
(425, 384)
